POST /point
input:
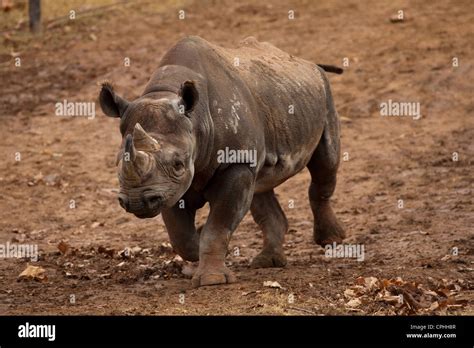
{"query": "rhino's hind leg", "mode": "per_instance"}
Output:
(323, 168)
(269, 216)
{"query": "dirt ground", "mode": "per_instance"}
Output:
(64, 187)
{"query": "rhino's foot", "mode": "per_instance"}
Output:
(327, 228)
(267, 259)
(213, 276)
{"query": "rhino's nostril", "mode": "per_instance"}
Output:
(153, 201)
(123, 200)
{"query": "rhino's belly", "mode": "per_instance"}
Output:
(278, 169)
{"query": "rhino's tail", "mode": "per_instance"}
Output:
(331, 68)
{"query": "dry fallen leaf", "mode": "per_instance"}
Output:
(137, 250)
(429, 292)
(354, 303)
(245, 293)
(33, 273)
(408, 297)
(63, 247)
(386, 296)
(271, 284)
(349, 293)
(371, 283)
(106, 251)
(434, 306)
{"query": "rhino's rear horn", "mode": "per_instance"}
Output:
(143, 140)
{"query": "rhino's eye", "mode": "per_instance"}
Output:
(178, 165)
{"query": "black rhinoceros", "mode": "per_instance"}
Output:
(226, 126)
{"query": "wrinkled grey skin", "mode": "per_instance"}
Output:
(199, 102)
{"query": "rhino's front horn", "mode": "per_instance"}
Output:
(128, 159)
(135, 162)
(130, 151)
(143, 162)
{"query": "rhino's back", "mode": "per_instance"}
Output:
(291, 101)
(260, 62)
(289, 92)
(264, 67)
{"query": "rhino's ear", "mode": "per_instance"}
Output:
(112, 105)
(189, 95)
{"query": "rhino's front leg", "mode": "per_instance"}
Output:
(229, 197)
(179, 223)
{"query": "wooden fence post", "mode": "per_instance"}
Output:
(34, 10)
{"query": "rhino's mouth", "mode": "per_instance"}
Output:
(147, 214)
